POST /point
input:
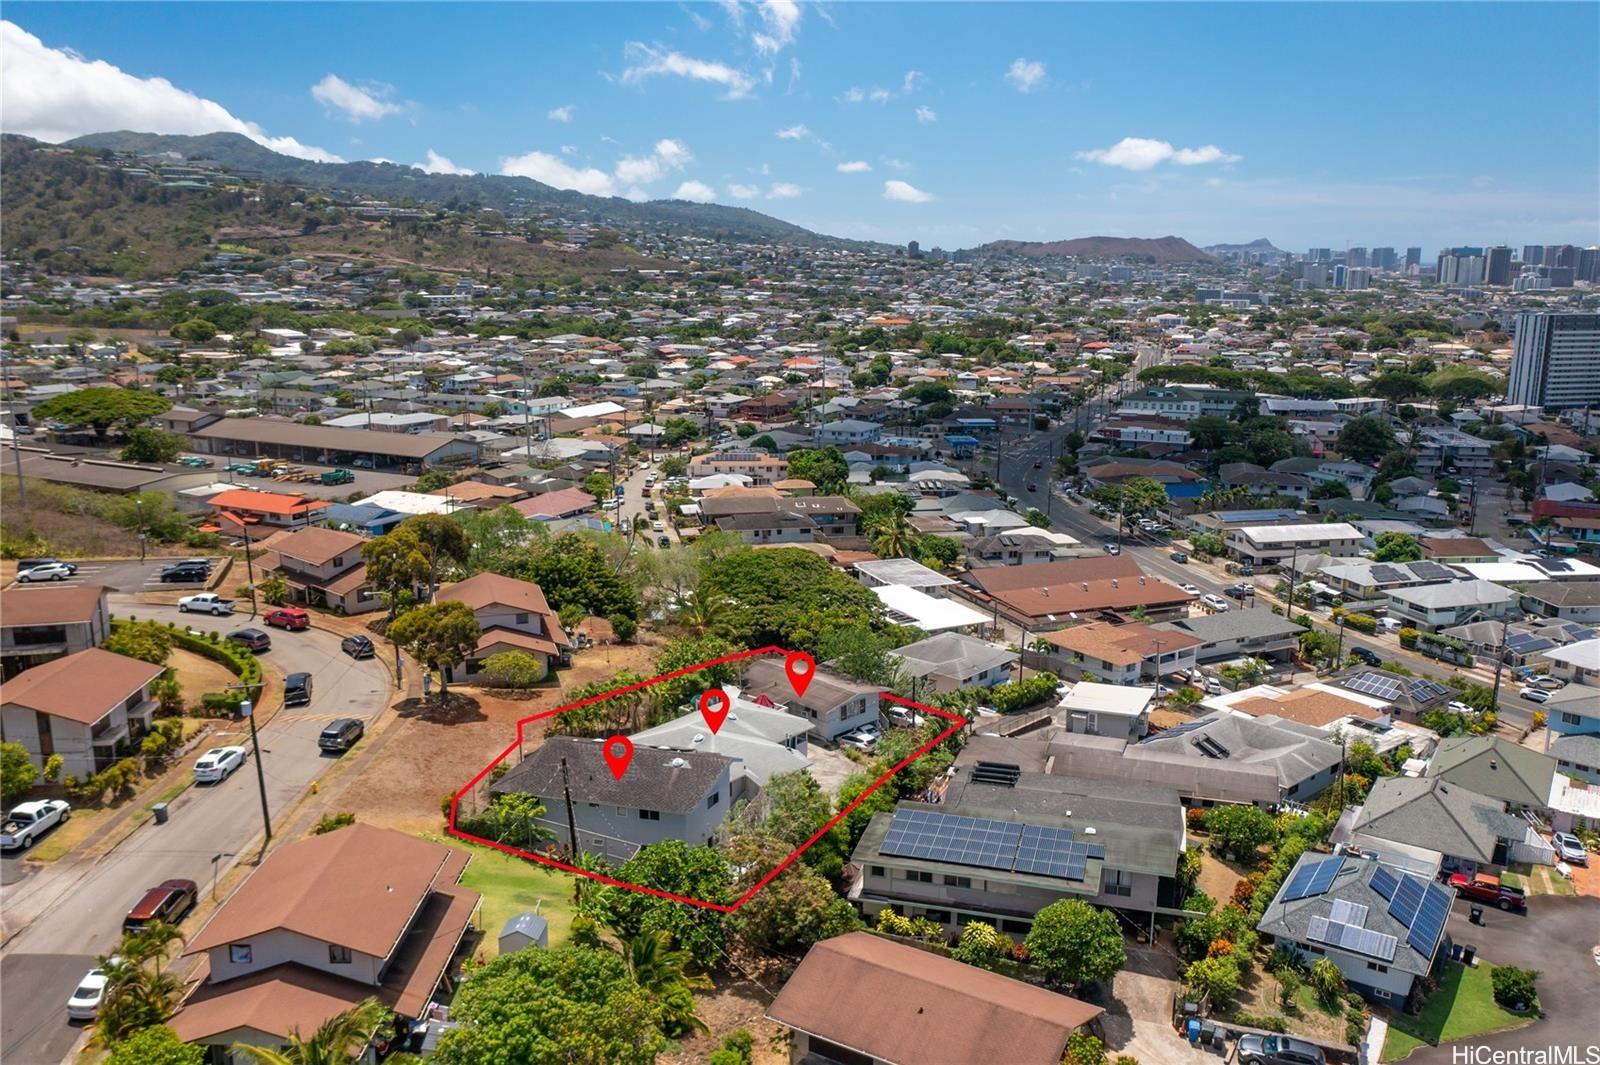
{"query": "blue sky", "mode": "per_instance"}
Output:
(952, 124)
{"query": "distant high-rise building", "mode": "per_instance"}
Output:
(1533, 254)
(1339, 270)
(1556, 360)
(1320, 255)
(1356, 257)
(1497, 266)
(1561, 255)
(1413, 257)
(1357, 277)
(913, 249)
(1589, 264)
(1385, 259)
(1315, 274)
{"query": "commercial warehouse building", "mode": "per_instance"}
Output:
(250, 438)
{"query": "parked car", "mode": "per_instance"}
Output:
(50, 571)
(1570, 848)
(1179, 556)
(183, 571)
(1278, 1050)
(218, 764)
(1211, 686)
(205, 603)
(297, 689)
(84, 1003)
(33, 563)
(1486, 887)
(1215, 602)
(1367, 655)
(860, 739)
(1113, 549)
(288, 617)
(28, 821)
(663, 541)
(905, 717)
(357, 647)
(1534, 695)
(1032, 486)
(1239, 591)
(1192, 589)
(657, 526)
(167, 902)
(253, 640)
(1389, 625)
(1456, 706)
(1547, 682)
(341, 735)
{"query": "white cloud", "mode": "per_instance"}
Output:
(780, 21)
(853, 95)
(904, 192)
(698, 191)
(55, 95)
(636, 194)
(569, 149)
(913, 81)
(859, 166)
(356, 104)
(666, 156)
(733, 10)
(541, 166)
(701, 23)
(648, 62)
(879, 96)
(784, 190)
(1026, 75)
(1143, 153)
(438, 164)
(927, 114)
(794, 73)
(560, 114)
(744, 192)
(794, 133)
(895, 164)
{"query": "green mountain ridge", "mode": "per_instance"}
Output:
(1167, 249)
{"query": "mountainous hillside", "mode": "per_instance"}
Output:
(390, 181)
(64, 209)
(1157, 249)
(1259, 246)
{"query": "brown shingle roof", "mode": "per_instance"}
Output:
(49, 606)
(358, 887)
(907, 1005)
(275, 1001)
(1309, 707)
(1120, 644)
(81, 687)
(317, 547)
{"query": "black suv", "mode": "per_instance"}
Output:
(1367, 655)
(297, 689)
(184, 571)
(357, 647)
(341, 735)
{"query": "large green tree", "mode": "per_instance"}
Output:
(1396, 547)
(572, 570)
(823, 467)
(1135, 497)
(335, 1042)
(1365, 439)
(787, 596)
(102, 409)
(795, 909)
(439, 635)
(17, 771)
(397, 564)
(1073, 943)
(440, 539)
(1241, 831)
(156, 1045)
(565, 1006)
(673, 866)
(144, 444)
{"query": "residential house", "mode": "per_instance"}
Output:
(1383, 926)
(949, 661)
(1265, 545)
(1258, 481)
(910, 1005)
(760, 467)
(321, 925)
(91, 707)
(39, 624)
(761, 739)
(1568, 600)
(902, 572)
(1407, 698)
(833, 517)
(1496, 767)
(1432, 607)
(665, 794)
(848, 431)
(1114, 710)
(553, 506)
(1576, 663)
(1053, 594)
(1254, 633)
(1470, 830)
(1304, 760)
(1450, 451)
(324, 567)
(1014, 547)
(1451, 549)
(832, 703)
(1128, 653)
(238, 510)
(1572, 731)
(513, 616)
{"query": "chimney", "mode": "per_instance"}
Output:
(1113, 582)
(1086, 586)
(1141, 582)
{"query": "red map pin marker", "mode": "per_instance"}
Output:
(801, 667)
(714, 708)
(618, 751)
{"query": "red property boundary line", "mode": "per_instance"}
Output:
(957, 724)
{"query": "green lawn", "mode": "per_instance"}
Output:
(1462, 1006)
(513, 885)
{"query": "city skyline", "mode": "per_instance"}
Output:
(852, 120)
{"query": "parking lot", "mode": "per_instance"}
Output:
(120, 575)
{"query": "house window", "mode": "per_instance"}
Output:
(713, 799)
(938, 916)
(1375, 967)
(919, 876)
(1116, 882)
(1292, 789)
(1570, 719)
(239, 953)
(958, 881)
(649, 815)
(338, 955)
(1379, 992)
(876, 870)
(522, 619)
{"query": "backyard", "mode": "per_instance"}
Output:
(1461, 1007)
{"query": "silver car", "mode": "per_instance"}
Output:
(1570, 848)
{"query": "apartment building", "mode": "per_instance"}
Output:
(1266, 545)
(39, 624)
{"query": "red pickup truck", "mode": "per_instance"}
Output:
(1486, 887)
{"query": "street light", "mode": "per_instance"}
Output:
(216, 865)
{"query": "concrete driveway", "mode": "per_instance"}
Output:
(1557, 937)
(75, 908)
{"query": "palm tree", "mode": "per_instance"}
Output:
(136, 997)
(663, 974)
(339, 1039)
(701, 611)
(892, 535)
(150, 943)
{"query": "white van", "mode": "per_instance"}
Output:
(1389, 625)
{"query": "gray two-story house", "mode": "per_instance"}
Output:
(832, 703)
(664, 794)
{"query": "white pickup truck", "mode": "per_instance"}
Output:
(29, 820)
(205, 603)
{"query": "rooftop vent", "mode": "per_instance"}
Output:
(679, 763)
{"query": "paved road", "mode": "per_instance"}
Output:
(75, 908)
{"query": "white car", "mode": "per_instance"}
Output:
(860, 739)
(904, 717)
(1215, 602)
(657, 526)
(1460, 708)
(84, 1005)
(1534, 695)
(1570, 848)
(50, 571)
(205, 603)
(218, 764)
(1192, 589)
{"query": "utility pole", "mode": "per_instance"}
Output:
(1159, 644)
(250, 569)
(1499, 664)
(247, 708)
(1339, 655)
(566, 796)
(1294, 565)
(16, 445)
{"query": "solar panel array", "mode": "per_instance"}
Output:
(1554, 565)
(1374, 684)
(1388, 574)
(1432, 571)
(1312, 878)
(1521, 643)
(1352, 938)
(1347, 912)
(1384, 882)
(989, 844)
(1423, 908)
(1424, 690)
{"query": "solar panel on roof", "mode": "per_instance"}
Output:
(1387, 574)
(986, 843)
(1347, 912)
(1428, 927)
(1323, 878)
(1374, 684)
(1295, 888)
(1384, 882)
(1555, 565)
(1432, 571)
(1424, 690)
(1312, 878)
